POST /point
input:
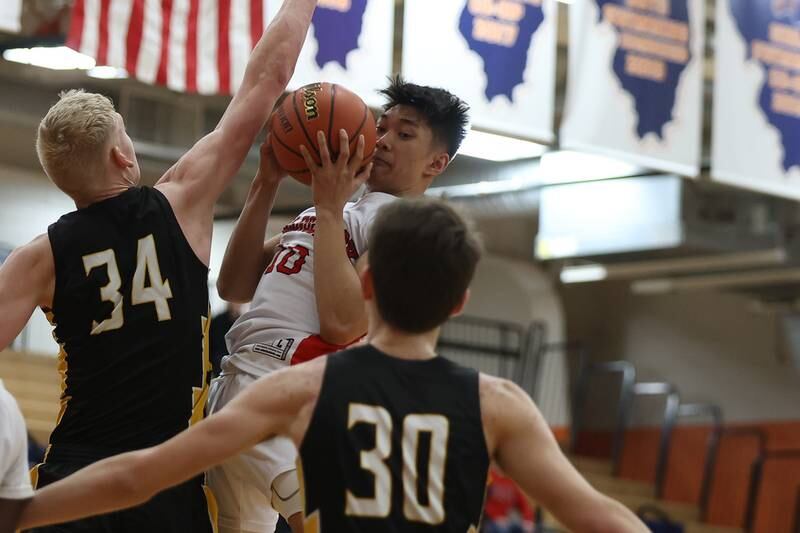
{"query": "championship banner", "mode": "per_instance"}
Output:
(635, 85)
(497, 55)
(351, 42)
(757, 96)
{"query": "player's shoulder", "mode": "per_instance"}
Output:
(370, 202)
(10, 415)
(498, 391)
(34, 255)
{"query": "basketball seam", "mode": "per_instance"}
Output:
(330, 122)
(282, 143)
(303, 127)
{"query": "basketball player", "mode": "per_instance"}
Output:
(15, 482)
(391, 436)
(305, 292)
(124, 278)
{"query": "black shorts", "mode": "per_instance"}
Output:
(181, 509)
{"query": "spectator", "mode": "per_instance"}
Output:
(507, 510)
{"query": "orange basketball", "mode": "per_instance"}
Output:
(325, 107)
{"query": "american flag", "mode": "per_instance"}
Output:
(10, 12)
(196, 46)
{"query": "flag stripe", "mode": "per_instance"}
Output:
(118, 21)
(239, 37)
(75, 37)
(208, 30)
(150, 51)
(256, 21)
(102, 42)
(191, 47)
(91, 28)
(224, 46)
(133, 42)
(176, 69)
(163, 55)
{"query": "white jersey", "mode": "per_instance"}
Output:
(15, 481)
(282, 324)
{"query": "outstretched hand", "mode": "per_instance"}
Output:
(335, 181)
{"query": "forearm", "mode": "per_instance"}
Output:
(245, 258)
(100, 488)
(270, 67)
(340, 304)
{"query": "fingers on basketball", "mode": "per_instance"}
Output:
(326, 108)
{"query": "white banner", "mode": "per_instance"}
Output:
(500, 57)
(10, 12)
(635, 85)
(757, 96)
(351, 43)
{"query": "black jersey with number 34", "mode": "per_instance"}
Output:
(131, 314)
(394, 446)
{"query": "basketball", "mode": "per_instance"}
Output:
(317, 107)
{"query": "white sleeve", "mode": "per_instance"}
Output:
(15, 480)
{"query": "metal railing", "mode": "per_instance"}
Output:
(586, 371)
(694, 410)
(671, 407)
(499, 348)
(759, 435)
(756, 478)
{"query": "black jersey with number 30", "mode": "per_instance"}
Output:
(130, 313)
(394, 446)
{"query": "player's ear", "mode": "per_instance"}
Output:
(459, 308)
(120, 159)
(438, 164)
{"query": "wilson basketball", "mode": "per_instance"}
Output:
(325, 107)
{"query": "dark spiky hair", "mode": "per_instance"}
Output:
(446, 114)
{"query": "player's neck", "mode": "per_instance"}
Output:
(403, 345)
(113, 188)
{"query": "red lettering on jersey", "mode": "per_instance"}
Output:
(352, 252)
(304, 224)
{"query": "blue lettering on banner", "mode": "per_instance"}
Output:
(337, 28)
(501, 33)
(653, 49)
(771, 29)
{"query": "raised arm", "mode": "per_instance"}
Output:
(247, 254)
(526, 450)
(341, 309)
(196, 181)
(27, 281)
(277, 404)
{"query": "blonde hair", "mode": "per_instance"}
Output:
(72, 136)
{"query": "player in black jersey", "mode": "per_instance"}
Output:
(124, 278)
(392, 437)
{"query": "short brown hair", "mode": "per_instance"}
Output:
(422, 255)
(72, 136)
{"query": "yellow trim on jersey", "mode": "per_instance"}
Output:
(213, 508)
(35, 475)
(200, 394)
(63, 367)
(312, 523)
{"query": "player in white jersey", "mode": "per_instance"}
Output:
(305, 291)
(15, 482)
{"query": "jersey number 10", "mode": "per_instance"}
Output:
(157, 290)
(374, 461)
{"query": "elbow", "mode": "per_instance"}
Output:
(611, 517)
(231, 293)
(133, 487)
